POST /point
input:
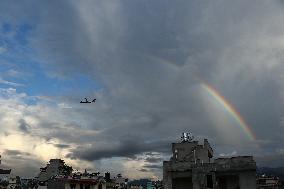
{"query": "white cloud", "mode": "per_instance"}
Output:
(228, 154)
(3, 81)
(64, 106)
(16, 73)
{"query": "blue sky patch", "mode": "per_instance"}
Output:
(21, 57)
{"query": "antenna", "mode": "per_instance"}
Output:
(187, 137)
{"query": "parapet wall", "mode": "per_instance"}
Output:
(234, 160)
(240, 163)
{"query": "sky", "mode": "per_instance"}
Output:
(157, 69)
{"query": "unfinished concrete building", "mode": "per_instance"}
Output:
(192, 167)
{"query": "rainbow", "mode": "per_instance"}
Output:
(230, 108)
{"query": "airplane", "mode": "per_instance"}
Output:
(86, 101)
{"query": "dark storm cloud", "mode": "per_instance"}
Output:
(158, 93)
(153, 159)
(144, 170)
(126, 147)
(275, 160)
(63, 146)
(152, 166)
(147, 57)
(16, 153)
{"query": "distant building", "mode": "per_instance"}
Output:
(267, 182)
(72, 183)
(58, 175)
(4, 177)
(14, 183)
(86, 181)
(150, 185)
(4, 171)
(30, 183)
(192, 167)
(53, 168)
(121, 182)
(158, 184)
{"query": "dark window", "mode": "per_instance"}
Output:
(87, 187)
(100, 186)
(73, 186)
(81, 186)
(209, 181)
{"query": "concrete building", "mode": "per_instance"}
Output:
(72, 183)
(191, 167)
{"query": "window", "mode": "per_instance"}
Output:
(73, 186)
(209, 181)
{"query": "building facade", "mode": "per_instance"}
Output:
(71, 183)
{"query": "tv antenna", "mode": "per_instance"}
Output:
(187, 137)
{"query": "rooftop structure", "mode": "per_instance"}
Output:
(53, 168)
(191, 167)
(267, 182)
